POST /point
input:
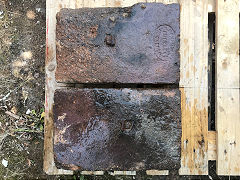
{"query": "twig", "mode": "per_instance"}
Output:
(26, 130)
(12, 115)
(6, 96)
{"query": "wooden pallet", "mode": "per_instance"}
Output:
(198, 144)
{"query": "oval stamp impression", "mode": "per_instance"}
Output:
(164, 40)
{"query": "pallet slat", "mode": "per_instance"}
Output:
(228, 135)
(227, 44)
(50, 63)
(194, 87)
(228, 112)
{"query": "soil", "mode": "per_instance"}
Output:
(22, 80)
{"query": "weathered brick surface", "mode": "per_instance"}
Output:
(110, 129)
(118, 45)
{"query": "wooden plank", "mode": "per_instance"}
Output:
(212, 6)
(227, 44)
(212, 147)
(157, 172)
(227, 89)
(186, 44)
(194, 87)
(194, 157)
(123, 173)
(92, 173)
(228, 135)
(50, 63)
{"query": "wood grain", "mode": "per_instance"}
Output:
(194, 87)
(228, 134)
(212, 148)
(227, 89)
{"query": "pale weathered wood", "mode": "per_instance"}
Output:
(123, 173)
(227, 89)
(227, 43)
(212, 147)
(49, 166)
(212, 6)
(157, 172)
(228, 134)
(194, 87)
(92, 172)
(186, 44)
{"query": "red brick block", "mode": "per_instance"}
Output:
(138, 44)
(110, 129)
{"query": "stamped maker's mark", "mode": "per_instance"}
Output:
(164, 40)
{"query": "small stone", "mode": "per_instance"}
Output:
(4, 163)
(26, 55)
(14, 110)
(125, 14)
(51, 67)
(28, 111)
(112, 19)
(143, 6)
(110, 40)
(30, 15)
(36, 75)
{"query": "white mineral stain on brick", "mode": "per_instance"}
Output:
(58, 138)
(62, 117)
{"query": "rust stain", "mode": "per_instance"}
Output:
(191, 58)
(194, 69)
(225, 64)
(48, 143)
(185, 42)
(117, 3)
(187, 75)
(236, 169)
(50, 54)
(60, 6)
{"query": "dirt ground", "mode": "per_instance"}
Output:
(22, 79)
